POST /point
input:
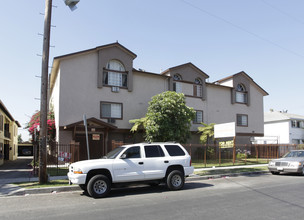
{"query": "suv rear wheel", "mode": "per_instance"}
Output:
(175, 180)
(99, 186)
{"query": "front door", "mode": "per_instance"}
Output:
(6, 151)
(96, 146)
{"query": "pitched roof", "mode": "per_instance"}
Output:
(90, 120)
(280, 116)
(4, 109)
(186, 64)
(116, 44)
(245, 75)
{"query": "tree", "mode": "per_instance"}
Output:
(167, 118)
(34, 124)
(20, 138)
(207, 132)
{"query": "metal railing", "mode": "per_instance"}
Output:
(59, 157)
(216, 155)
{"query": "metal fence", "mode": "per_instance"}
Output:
(59, 156)
(229, 155)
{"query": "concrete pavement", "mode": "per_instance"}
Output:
(19, 171)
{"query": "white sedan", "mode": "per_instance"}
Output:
(292, 162)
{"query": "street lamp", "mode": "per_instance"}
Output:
(71, 4)
(44, 86)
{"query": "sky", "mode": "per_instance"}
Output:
(264, 38)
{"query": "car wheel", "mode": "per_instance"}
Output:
(99, 186)
(302, 173)
(175, 180)
(275, 173)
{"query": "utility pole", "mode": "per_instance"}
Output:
(44, 93)
(44, 86)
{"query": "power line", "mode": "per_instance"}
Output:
(243, 29)
(283, 12)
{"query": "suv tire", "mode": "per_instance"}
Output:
(99, 186)
(175, 180)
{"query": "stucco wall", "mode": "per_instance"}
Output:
(221, 110)
(278, 129)
(80, 94)
(77, 91)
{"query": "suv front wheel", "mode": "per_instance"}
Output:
(175, 180)
(99, 186)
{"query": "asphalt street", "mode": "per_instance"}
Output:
(244, 197)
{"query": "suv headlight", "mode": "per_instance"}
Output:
(77, 171)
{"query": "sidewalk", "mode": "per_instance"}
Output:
(18, 171)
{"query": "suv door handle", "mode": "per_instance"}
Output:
(140, 163)
(166, 161)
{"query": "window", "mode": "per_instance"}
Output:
(115, 74)
(174, 150)
(132, 152)
(177, 86)
(198, 117)
(111, 110)
(177, 77)
(242, 120)
(293, 124)
(154, 151)
(241, 94)
(197, 87)
(296, 124)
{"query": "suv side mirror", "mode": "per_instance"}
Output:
(123, 156)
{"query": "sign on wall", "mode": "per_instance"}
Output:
(224, 130)
(96, 137)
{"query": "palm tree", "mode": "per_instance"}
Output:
(207, 132)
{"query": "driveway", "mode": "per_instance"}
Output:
(17, 169)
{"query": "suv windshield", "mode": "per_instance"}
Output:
(112, 154)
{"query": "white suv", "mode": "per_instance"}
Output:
(152, 163)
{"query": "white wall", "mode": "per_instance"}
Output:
(279, 129)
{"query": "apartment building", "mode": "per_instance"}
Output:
(102, 84)
(8, 135)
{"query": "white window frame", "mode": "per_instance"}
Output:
(114, 74)
(199, 117)
(242, 120)
(241, 94)
(116, 110)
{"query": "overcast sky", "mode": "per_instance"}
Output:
(264, 38)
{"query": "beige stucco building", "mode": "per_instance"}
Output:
(102, 84)
(8, 135)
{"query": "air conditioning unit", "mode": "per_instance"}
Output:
(111, 120)
(115, 89)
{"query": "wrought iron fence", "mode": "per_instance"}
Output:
(59, 156)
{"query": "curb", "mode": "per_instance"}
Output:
(218, 176)
(49, 190)
(59, 189)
